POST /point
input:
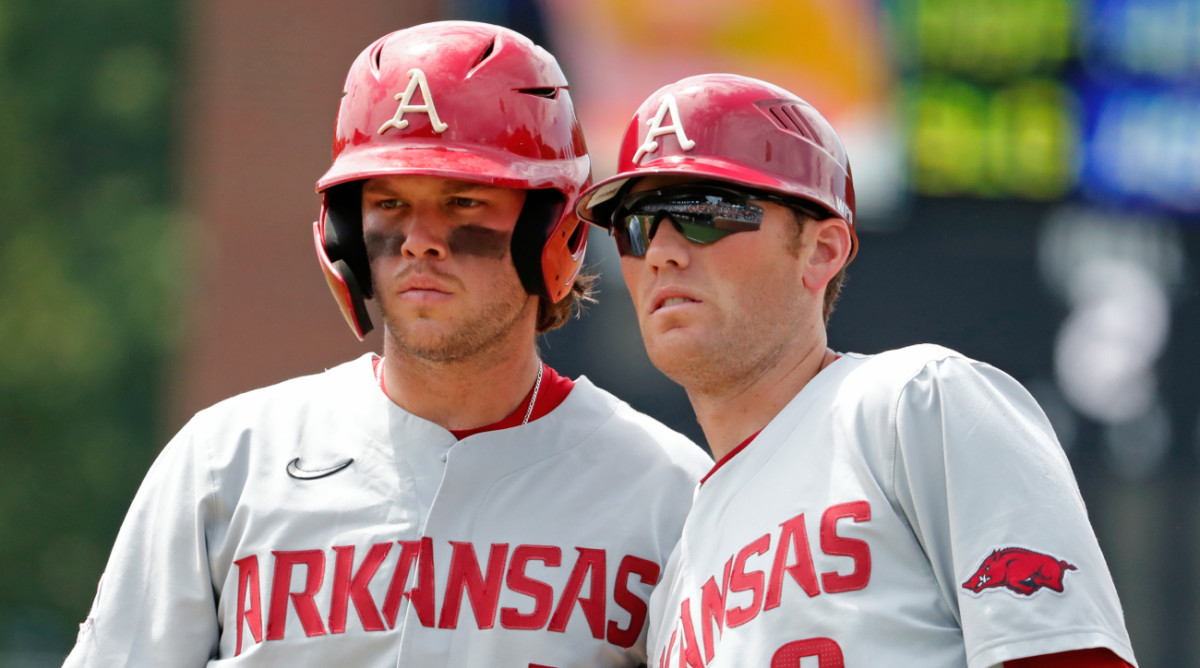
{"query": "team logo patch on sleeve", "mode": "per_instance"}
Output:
(1019, 570)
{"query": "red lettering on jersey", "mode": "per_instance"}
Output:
(689, 652)
(353, 587)
(422, 594)
(591, 561)
(648, 572)
(409, 550)
(712, 609)
(664, 659)
(413, 578)
(519, 582)
(248, 585)
(483, 591)
(791, 655)
(306, 607)
(833, 544)
(794, 538)
(740, 580)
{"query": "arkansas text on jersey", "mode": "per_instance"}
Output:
(551, 610)
(793, 558)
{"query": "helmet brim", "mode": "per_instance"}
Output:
(454, 163)
(596, 202)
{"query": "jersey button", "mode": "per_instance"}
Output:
(445, 457)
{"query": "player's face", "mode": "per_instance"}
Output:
(442, 267)
(715, 315)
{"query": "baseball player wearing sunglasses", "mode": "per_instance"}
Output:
(909, 509)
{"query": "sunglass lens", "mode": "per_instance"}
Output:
(702, 215)
(699, 231)
(633, 237)
(633, 234)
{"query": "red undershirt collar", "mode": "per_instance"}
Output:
(553, 392)
(729, 455)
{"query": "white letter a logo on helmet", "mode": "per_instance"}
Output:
(657, 129)
(416, 78)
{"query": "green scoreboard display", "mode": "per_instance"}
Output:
(1052, 99)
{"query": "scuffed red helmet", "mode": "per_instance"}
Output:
(735, 129)
(457, 100)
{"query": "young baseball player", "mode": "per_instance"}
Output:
(905, 509)
(454, 502)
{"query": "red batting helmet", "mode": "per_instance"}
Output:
(735, 129)
(458, 100)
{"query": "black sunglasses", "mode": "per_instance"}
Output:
(702, 213)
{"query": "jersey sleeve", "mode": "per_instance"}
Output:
(992, 500)
(155, 603)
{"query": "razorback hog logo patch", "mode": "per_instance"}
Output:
(1020, 570)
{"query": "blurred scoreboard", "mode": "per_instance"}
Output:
(1052, 99)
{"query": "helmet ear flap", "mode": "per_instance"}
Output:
(343, 255)
(357, 296)
(344, 232)
(541, 211)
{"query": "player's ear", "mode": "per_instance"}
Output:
(830, 244)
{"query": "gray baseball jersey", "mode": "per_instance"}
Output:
(909, 509)
(316, 523)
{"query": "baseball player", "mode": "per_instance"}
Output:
(454, 502)
(910, 508)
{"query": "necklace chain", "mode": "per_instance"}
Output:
(537, 385)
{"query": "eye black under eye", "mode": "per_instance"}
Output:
(479, 242)
(383, 244)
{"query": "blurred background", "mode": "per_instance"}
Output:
(1028, 177)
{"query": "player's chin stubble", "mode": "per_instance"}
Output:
(432, 341)
(728, 354)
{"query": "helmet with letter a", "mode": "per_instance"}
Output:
(465, 101)
(738, 130)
